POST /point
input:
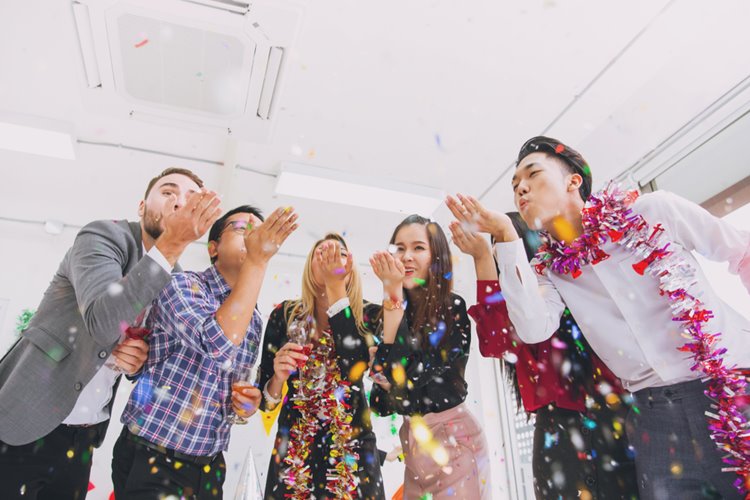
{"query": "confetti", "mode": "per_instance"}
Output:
(419, 281)
(509, 357)
(357, 370)
(551, 440)
(676, 469)
(575, 332)
(141, 43)
(438, 334)
(558, 344)
(564, 229)
(495, 298)
(588, 423)
(398, 374)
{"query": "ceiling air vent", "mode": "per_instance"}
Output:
(237, 7)
(177, 62)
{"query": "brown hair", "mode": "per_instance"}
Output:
(436, 303)
(170, 171)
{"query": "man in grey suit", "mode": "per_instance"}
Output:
(57, 382)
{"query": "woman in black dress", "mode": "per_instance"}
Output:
(318, 345)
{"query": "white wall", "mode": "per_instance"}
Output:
(29, 258)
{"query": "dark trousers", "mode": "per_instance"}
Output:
(675, 456)
(56, 466)
(142, 473)
(578, 452)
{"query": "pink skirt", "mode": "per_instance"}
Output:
(467, 473)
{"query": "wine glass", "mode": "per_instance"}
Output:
(247, 376)
(298, 332)
(131, 332)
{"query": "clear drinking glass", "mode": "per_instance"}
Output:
(298, 332)
(246, 377)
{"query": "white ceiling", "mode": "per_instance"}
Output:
(433, 92)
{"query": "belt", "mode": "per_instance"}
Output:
(167, 451)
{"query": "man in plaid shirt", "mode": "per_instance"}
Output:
(205, 328)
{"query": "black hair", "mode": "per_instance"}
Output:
(572, 159)
(218, 227)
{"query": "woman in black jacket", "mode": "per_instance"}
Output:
(419, 367)
(318, 345)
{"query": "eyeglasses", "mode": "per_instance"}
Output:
(238, 226)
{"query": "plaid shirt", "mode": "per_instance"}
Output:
(183, 395)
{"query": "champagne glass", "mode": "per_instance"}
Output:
(298, 332)
(246, 377)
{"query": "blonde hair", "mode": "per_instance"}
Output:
(304, 308)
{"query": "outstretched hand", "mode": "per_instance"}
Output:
(335, 263)
(469, 211)
(389, 270)
(263, 239)
(470, 243)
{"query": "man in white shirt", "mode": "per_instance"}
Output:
(622, 315)
(58, 381)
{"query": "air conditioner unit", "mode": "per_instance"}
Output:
(215, 64)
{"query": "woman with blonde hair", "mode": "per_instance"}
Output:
(318, 345)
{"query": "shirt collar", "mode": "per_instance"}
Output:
(216, 282)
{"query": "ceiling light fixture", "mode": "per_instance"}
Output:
(316, 183)
(36, 141)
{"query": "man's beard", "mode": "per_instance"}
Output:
(152, 224)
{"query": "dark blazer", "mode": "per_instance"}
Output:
(103, 281)
(351, 348)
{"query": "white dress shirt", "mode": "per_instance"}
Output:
(92, 405)
(621, 314)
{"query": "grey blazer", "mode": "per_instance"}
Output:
(103, 281)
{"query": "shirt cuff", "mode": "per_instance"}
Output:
(488, 291)
(338, 306)
(159, 258)
(508, 252)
